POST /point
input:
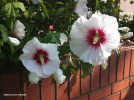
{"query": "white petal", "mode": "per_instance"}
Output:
(93, 56)
(52, 51)
(104, 65)
(63, 38)
(104, 1)
(58, 73)
(30, 64)
(31, 46)
(81, 8)
(33, 77)
(18, 25)
(78, 47)
(14, 41)
(50, 68)
(59, 77)
(19, 33)
(124, 29)
(79, 30)
(19, 29)
(127, 35)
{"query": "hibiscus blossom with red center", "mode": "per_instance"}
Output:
(93, 40)
(40, 58)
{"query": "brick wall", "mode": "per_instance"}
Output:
(114, 83)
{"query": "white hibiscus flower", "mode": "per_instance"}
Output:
(92, 40)
(59, 77)
(19, 31)
(81, 8)
(40, 58)
(63, 38)
(14, 41)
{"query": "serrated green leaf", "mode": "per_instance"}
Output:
(4, 32)
(19, 5)
(9, 10)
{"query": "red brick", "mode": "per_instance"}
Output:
(30, 90)
(62, 91)
(131, 97)
(95, 83)
(126, 93)
(47, 89)
(114, 97)
(127, 63)
(104, 76)
(120, 85)
(113, 65)
(132, 81)
(132, 63)
(120, 66)
(84, 97)
(75, 85)
(85, 84)
(11, 85)
(100, 93)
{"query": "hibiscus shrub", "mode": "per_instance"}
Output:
(56, 37)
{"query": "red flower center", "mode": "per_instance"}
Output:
(95, 37)
(41, 56)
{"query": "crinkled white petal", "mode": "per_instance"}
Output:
(58, 73)
(81, 8)
(59, 77)
(63, 38)
(14, 41)
(19, 29)
(34, 78)
(86, 52)
(35, 1)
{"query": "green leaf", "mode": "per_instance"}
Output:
(12, 9)
(44, 9)
(59, 11)
(52, 37)
(86, 68)
(118, 52)
(4, 32)
(19, 5)
(59, 3)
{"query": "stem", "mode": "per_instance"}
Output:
(97, 6)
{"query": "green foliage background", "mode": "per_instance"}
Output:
(37, 19)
